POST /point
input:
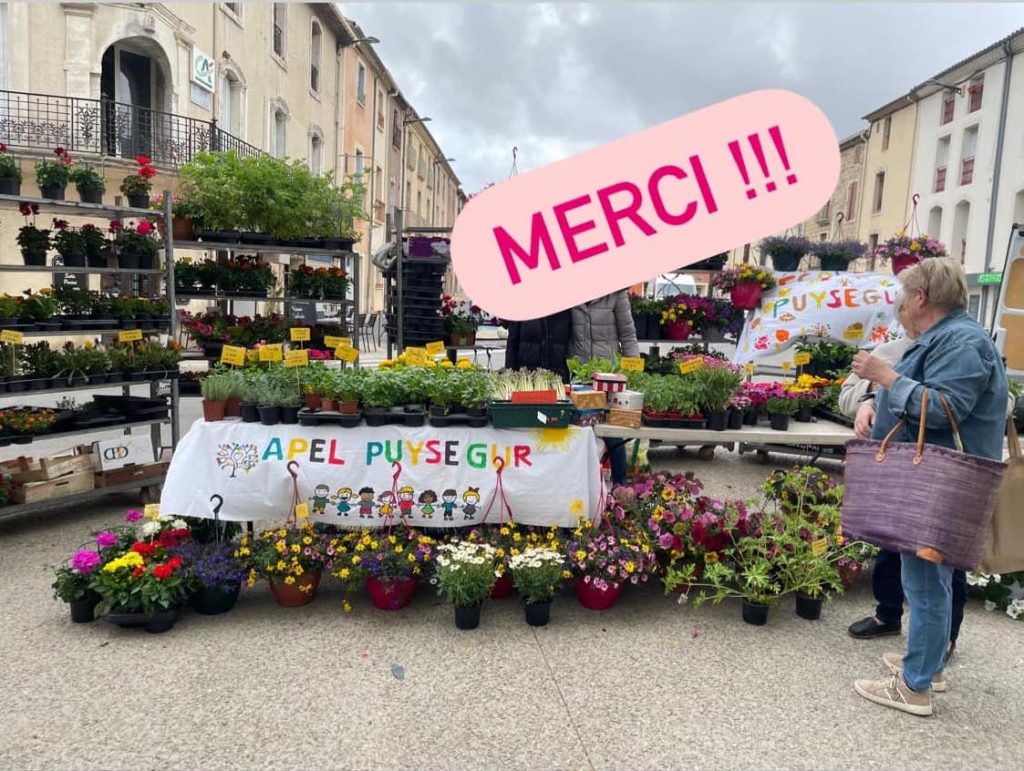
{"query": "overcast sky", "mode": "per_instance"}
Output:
(555, 79)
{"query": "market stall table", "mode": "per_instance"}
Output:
(435, 477)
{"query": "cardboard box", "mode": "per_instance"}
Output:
(589, 400)
(124, 451)
(585, 418)
(32, 492)
(627, 418)
(609, 381)
(626, 400)
(130, 474)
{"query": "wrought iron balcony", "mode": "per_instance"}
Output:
(104, 127)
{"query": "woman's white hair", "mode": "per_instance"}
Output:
(941, 279)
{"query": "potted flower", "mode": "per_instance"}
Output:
(136, 246)
(717, 385)
(807, 397)
(781, 408)
(69, 243)
(465, 575)
(837, 255)
(461, 319)
(88, 182)
(537, 573)
(137, 186)
(10, 174)
(785, 251)
(183, 216)
(745, 284)
(291, 558)
(739, 407)
(905, 251)
(216, 390)
(391, 562)
(681, 316)
(215, 575)
(604, 557)
(53, 176)
(95, 246)
(71, 585)
(34, 241)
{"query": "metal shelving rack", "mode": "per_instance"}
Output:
(73, 208)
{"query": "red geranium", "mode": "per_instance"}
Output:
(144, 548)
(174, 563)
(144, 228)
(143, 160)
(147, 171)
(171, 538)
(162, 572)
(137, 573)
(3, 147)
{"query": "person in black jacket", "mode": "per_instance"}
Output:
(540, 343)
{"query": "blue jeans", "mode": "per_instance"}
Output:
(928, 587)
(887, 584)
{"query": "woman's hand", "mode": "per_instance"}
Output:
(864, 421)
(874, 369)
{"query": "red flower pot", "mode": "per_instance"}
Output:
(348, 408)
(463, 341)
(181, 229)
(678, 330)
(503, 587)
(233, 407)
(597, 599)
(901, 263)
(392, 594)
(295, 595)
(314, 401)
(328, 405)
(745, 296)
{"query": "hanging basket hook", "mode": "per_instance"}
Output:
(915, 198)
(293, 469)
(219, 503)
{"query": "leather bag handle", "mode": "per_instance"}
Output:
(919, 454)
(952, 422)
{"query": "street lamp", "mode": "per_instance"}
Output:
(369, 39)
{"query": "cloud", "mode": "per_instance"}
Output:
(555, 79)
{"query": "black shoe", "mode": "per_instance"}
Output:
(870, 627)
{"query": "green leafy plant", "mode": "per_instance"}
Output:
(66, 240)
(8, 165)
(379, 390)
(86, 177)
(782, 405)
(217, 387)
(717, 385)
(210, 182)
(55, 172)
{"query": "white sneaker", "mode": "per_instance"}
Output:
(895, 694)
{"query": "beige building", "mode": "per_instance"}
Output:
(109, 81)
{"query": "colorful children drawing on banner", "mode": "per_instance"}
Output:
(386, 505)
(427, 500)
(321, 497)
(366, 504)
(342, 501)
(405, 501)
(470, 499)
(448, 504)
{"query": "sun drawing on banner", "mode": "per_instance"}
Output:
(237, 457)
(556, 439)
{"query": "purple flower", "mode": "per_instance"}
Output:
(85, 561)
(106, 539)
(133, 516)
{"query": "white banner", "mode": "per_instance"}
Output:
(446, 476)
(853, 308)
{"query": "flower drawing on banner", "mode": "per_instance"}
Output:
(556, 439)
(576, 506)
(879, 334)
(237, 457)
(761, 344)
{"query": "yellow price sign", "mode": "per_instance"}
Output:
(302, 510)
(787, 366)
(233, 355)
(152, 511)
(11, 336)
(299, 334)
(336, 342)
(346, 353)
(416, 357)
(271, 352)
(296, 359)
(802, 359)
(819, 547)
(854, 333)
(435, 348)
(749, 368)
(686, 367)
(632, 364)
(129, 335)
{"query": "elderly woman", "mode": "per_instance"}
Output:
(955, 358)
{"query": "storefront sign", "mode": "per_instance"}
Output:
(204, 70)
(990, 278)
(853, 308)
(446, 476)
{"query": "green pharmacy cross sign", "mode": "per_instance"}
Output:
(990, 278)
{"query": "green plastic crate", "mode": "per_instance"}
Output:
(508, 415)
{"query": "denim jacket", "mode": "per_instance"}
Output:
(955, 358)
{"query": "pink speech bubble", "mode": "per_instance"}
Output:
(644, 205)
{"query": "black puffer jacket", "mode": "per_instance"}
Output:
(540, 343)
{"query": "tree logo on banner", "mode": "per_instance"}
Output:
(237, 457)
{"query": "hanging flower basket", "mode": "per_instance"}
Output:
(746, 297)
(785, 253)
(837, 255)
(297, 594)
(678, 330)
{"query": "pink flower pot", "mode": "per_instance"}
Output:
(503, 587)
(677, 330)
(901, 263)
(390, 595)
(745, 296)
(594, 598)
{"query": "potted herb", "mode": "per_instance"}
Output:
(10, 173)
(464, 574)
(378, 397)
(537, 574)
(69, 243)
(291, 558)
(95, 246)
(71, 585)
(210, 182)
(683, 403)
(215, 390)
(716, 387)
(88, 182)
(656, 401)
(474, 392)
(442, 391)
(390, 562)
(34, 241)
(215, 575)
(52, 176)
(745, 284)
(780, 409)
(837, 255)
(137, 186)
(785, 251)
(346, 390)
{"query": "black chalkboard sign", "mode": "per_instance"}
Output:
(71, 280)
(302, 310)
